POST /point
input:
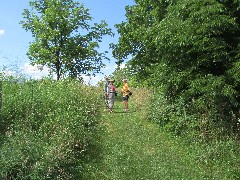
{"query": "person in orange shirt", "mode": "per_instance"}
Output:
(125, 94)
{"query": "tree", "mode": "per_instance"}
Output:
(137, 35)
(127, 72)
(64, 40)
(189, 50)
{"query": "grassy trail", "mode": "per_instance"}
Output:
(134, 148)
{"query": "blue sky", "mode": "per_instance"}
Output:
(14, 41)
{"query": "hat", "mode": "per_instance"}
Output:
(124, 80)
(111, 80)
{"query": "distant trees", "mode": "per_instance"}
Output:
(126, 72)
(66, 40)
(189, 48)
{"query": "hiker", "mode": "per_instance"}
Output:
(125, 94)
(105, 90)
(111, 95)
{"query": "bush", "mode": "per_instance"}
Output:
(201, 118)
(203, 129)
(48, 127)
(172, 117)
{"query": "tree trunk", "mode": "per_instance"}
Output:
(58, 64)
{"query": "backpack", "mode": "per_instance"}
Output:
(113, 89)
(129, 92)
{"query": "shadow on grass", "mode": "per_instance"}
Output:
(92, 158)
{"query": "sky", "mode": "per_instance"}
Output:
(14, 40)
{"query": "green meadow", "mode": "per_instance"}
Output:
(61, 130)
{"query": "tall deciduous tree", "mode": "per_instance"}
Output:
(65, 39)
(189, 48)
(137, 35)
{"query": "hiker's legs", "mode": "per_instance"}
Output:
(111, 102)
(125, 102)
(106, 100)
(126, 105)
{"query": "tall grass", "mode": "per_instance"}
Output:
(215, 151)
(47, 127)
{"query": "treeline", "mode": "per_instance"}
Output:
(188, 52)
(47, 128)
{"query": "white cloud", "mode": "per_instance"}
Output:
(8, 72)
(109, 69)
(34, 71)
(2, 31)
(92, 80)
(114, 67)
(122, 66)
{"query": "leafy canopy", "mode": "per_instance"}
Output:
(188, 50)
(65, 39)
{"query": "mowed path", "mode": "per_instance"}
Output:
(134, 148)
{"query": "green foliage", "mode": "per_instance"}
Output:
(126, 73)
(188, 50)
(218, 156)
(196, 62)
(134, 148)
(47, 128)
(138, 35)
(64, 39)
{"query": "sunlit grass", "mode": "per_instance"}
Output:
(134, 148)
(61, 130)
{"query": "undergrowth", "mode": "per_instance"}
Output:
(217, 151)
(47, 128)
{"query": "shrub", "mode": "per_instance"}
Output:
(48, 127)
(203, 112)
